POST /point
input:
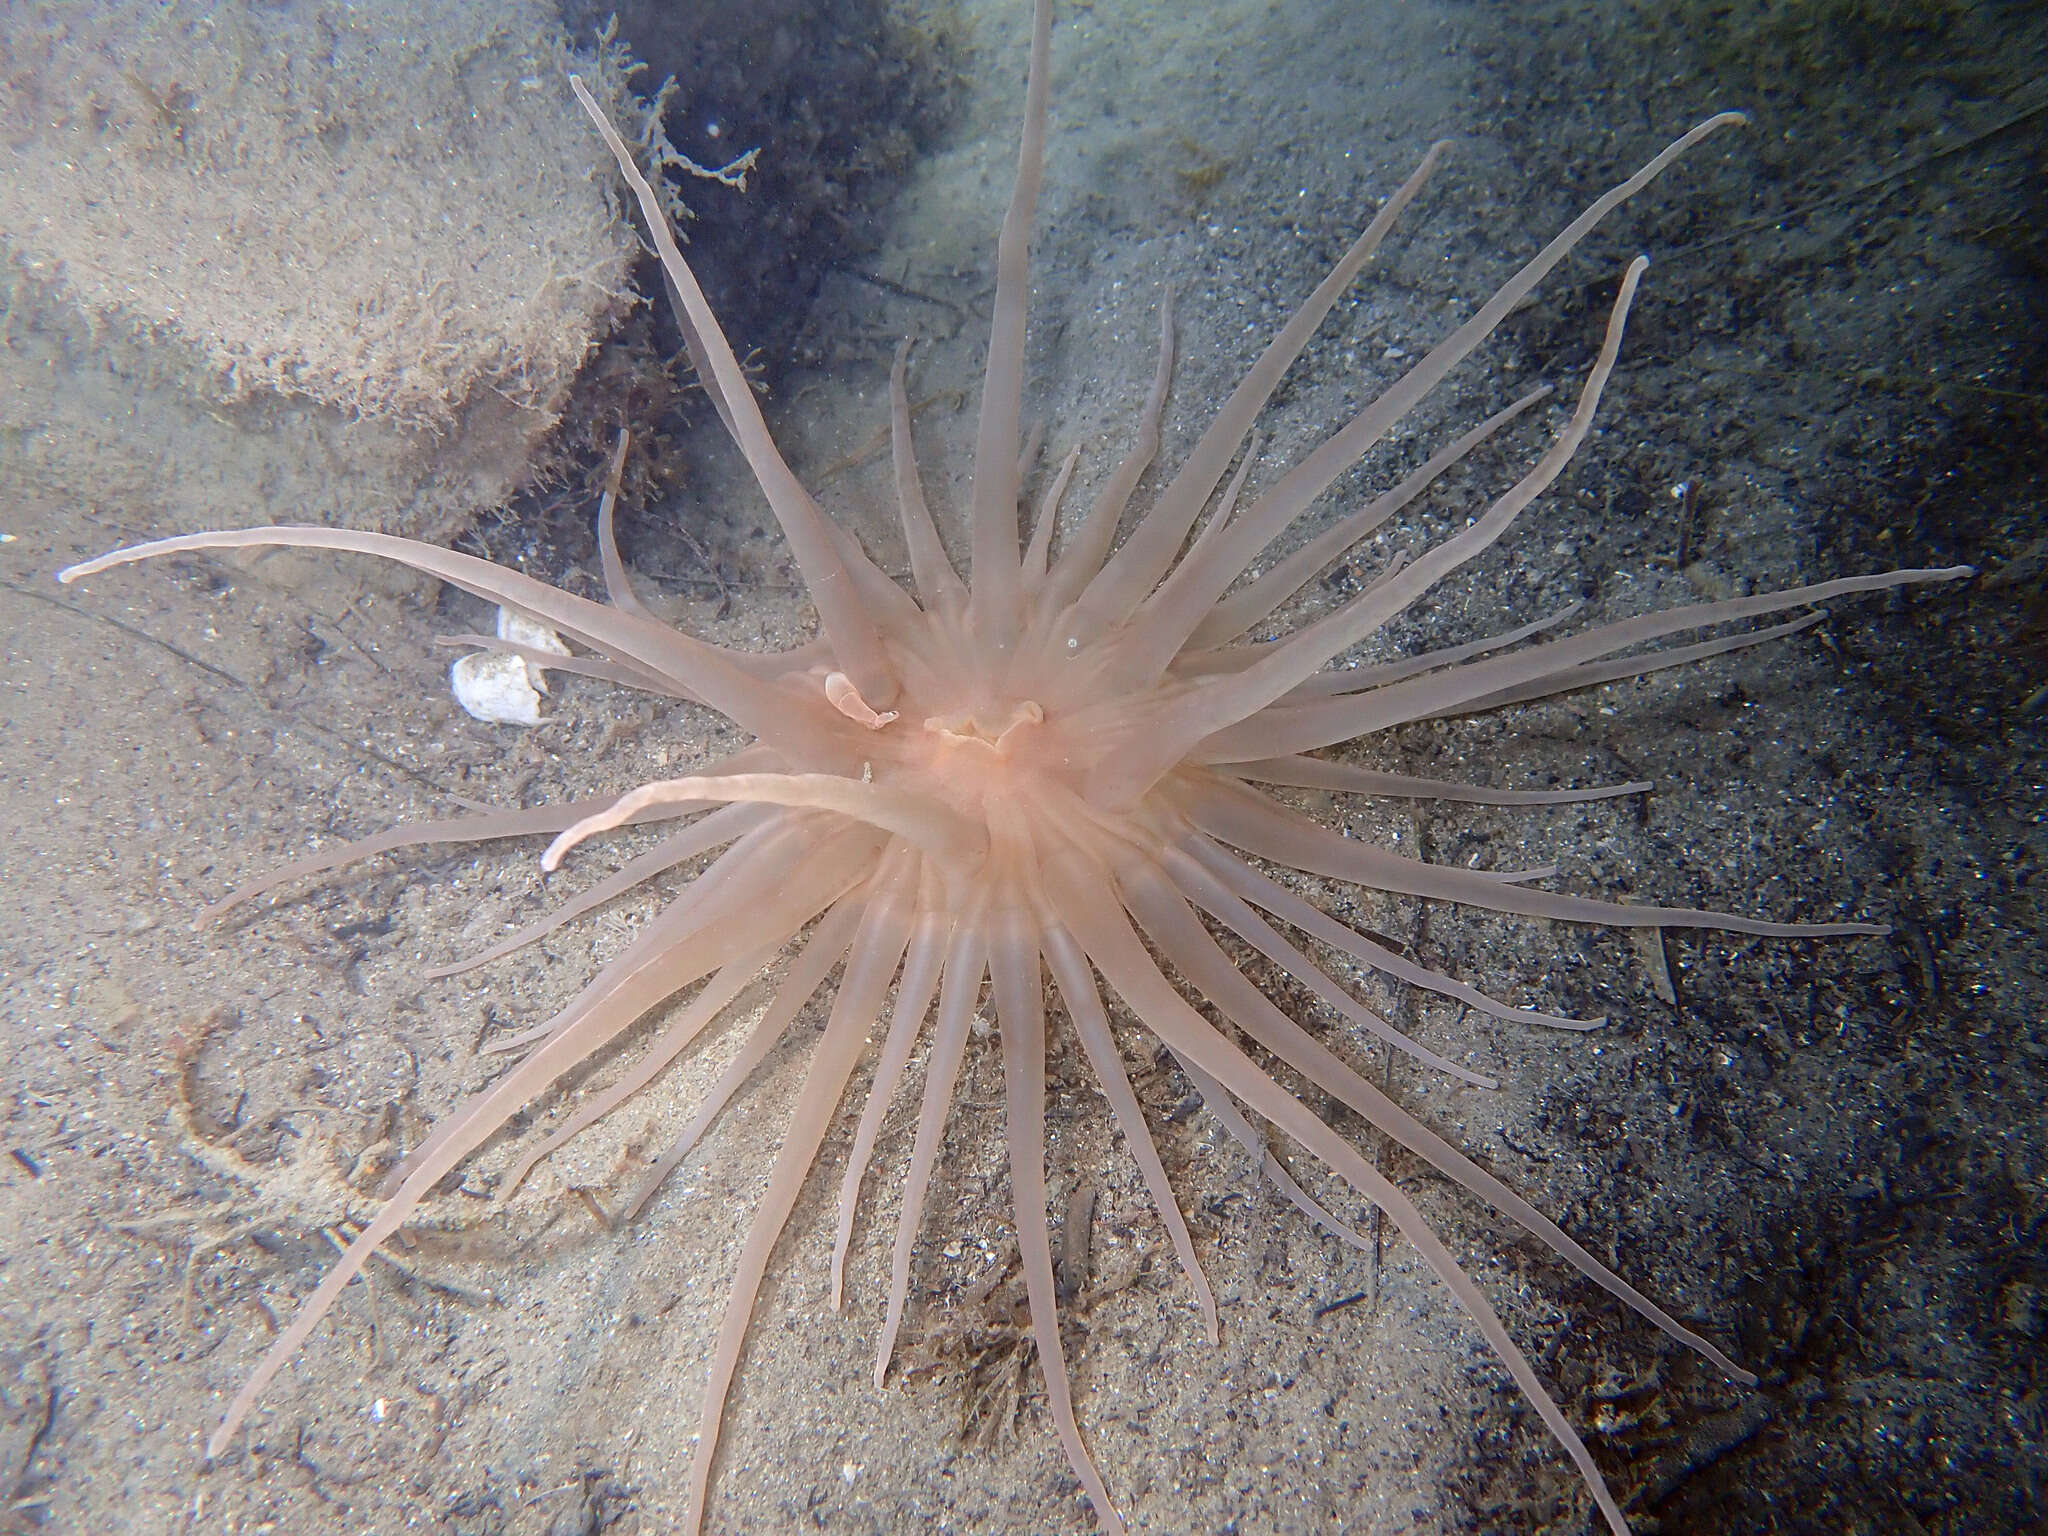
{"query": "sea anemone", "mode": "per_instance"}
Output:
(1052, 760)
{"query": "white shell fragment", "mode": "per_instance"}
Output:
(500, 686)
(521, 629)
(494, 686)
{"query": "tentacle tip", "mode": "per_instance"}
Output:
(213, 911)
(844, 695)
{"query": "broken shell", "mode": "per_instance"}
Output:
(495, 686)
(499, 686)
(534, 635)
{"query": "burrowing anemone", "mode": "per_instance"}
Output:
(1050, 764)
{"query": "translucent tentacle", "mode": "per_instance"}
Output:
(928, 940)
(959, 996)
(870, 963)
(1020, 1013)
(852, 632)
(1091, 1023)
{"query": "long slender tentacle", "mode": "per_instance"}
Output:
(1502, 679)
(916, 818)
(482, 827)
(1217, 1101)
(871, 963)
(1321, 773)
(938, 584)
(1237, 915)
(1082, 558)
(1148, 552)
(705, 671)
(1239, 877)
(1216, 703)
(618, 586)
(818, 554)
(711, 1000)
(959, 996)
(1287, 500)
(1233, 615)
(733, 823)
(654, 966)
(1091, 1023)
(1240, 816)
(766, 905)
(1181, 937)
(1118, 953)
(929, 937)
(1020, 1011)
(992, 518)
(823, 949)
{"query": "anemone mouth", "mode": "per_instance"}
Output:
(1048, 776)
